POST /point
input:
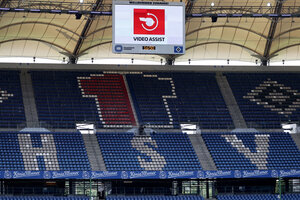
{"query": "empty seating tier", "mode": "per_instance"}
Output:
(251, 151)
(267, 100)
(66, 98)
(165, 100)
(43, 151)
(161, 151)
(11, 102)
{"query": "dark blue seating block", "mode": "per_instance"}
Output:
(294, 196)
(164, 100)
(266, 99)
(10, 156)
(171, 151)
(282, 151)
(59, 99)
(11, 102)
(43, 198)
(66, 98)
(70, 150)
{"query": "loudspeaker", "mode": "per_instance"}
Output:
(214, 19)
(78, 16)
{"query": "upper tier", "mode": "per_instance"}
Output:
(157, 100)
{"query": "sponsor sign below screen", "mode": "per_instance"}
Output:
(148, 27)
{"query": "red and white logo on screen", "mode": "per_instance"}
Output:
(149, 21)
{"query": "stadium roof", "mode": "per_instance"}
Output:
(54, 36)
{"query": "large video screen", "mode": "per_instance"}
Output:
(148, 27)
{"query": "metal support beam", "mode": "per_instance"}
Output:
(85, 30)
(3, 3)
(189, 7)
(192, 11)
(266, 56)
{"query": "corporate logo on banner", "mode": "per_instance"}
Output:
(142, 174)
(149, 21)
(26, 174)
(256, 173)
(66, 174)
(289, 173)
(180, 174)
(104, 175)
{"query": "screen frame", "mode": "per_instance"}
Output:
(164, 49)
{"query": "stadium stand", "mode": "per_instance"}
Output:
(161, 151)
(43, 151)
(251, 151)
(155, 197)
(11, 102)
(80, 96)
(258, 197)
(164, 100)
(267, 100)
(43, 198)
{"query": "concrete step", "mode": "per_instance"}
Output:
(202, 152)
(233, 108)
(94, 152)
(28, 100)
(296, 138)
(130, 99)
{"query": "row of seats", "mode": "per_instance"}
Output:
(155, 197)
(44, 198)
(293, 196)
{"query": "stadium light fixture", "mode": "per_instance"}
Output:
(212, 4)
(268, 4)
(80, 1)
